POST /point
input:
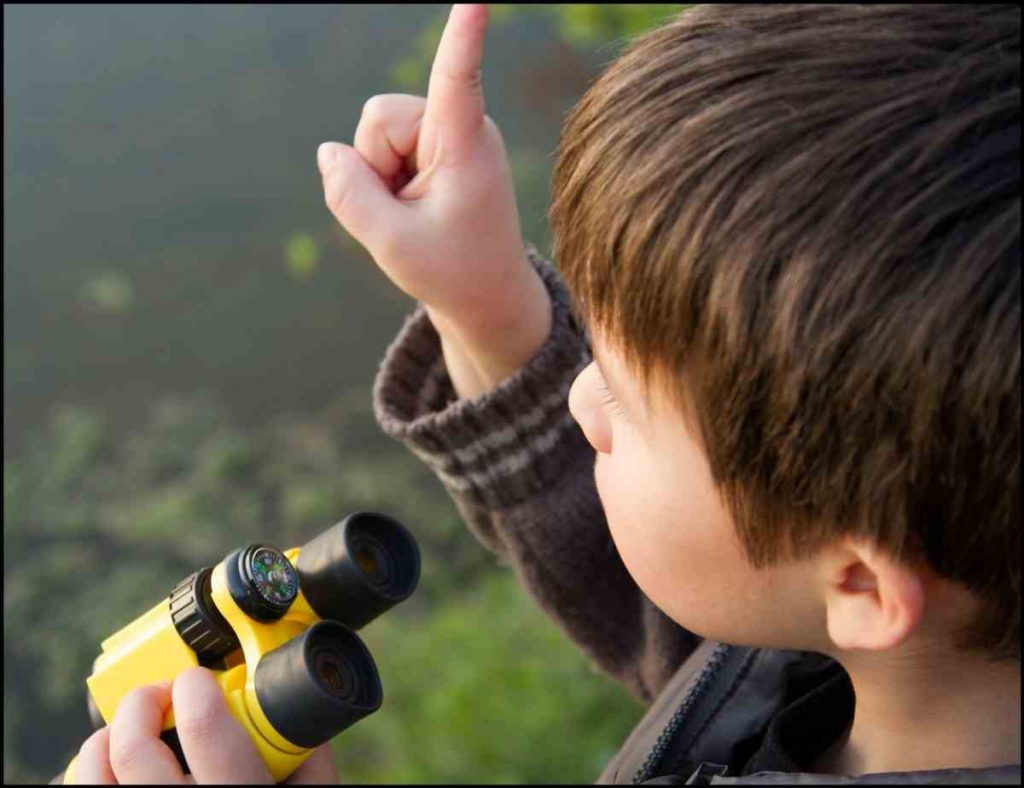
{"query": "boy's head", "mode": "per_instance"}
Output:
(794, 232)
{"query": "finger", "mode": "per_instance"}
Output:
(455, 96)
(137, 755)
(318, 769)
(387, 132)
(92, 766)
(216, 746)
(358, 198)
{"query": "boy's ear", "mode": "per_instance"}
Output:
(872, 602)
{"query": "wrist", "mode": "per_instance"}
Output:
(482, 353)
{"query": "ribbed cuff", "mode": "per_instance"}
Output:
(504, 446)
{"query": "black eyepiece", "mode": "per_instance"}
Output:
(358, 569)
(317, 684)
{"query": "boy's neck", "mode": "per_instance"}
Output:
(915, 712)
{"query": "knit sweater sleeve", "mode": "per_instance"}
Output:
(521, 474)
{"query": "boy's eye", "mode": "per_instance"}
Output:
(608, 399)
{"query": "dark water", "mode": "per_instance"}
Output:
(172, 148)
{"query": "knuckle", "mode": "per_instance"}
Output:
(473, 81)
(140, 696)
(336, 192)
(201, 708)
(409, 99)
(189, 677)
(387, 106)
(375, 108)
(200, 724)
(127, 754)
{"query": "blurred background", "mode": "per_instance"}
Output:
(190, 342)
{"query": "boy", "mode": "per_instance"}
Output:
(792, 427)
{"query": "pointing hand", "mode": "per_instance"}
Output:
(426, 189)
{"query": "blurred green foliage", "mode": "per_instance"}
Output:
(302, 255)
(598, 25)
(110, 291)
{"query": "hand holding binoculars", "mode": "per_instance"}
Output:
(277, 630)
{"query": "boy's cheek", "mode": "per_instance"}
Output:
(635, 541)
(597, 431)
(600, 482)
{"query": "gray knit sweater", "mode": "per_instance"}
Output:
(521, 473)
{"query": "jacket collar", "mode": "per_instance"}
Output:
(729, 694)
(995, 775)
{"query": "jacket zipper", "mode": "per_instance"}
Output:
(711, 667)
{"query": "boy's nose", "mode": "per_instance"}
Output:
(585, 407)
(576, 393)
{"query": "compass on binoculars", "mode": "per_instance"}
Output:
(263, 582)
(273, 576)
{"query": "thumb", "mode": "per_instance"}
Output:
(356, 195)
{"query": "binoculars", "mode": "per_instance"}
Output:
(277, 630)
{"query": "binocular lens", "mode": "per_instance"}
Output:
(317, 684)
(335, 675)
(358, 569)
(373, 559)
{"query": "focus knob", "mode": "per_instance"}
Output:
(198, 621)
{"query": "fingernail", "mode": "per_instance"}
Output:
(326, 153)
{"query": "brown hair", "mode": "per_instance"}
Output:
(814, 212)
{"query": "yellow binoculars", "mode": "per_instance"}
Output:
(277, 630)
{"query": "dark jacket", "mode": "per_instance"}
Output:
(520, 472)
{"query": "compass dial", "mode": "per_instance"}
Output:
(273, 577)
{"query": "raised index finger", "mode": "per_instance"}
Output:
(455, 96)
